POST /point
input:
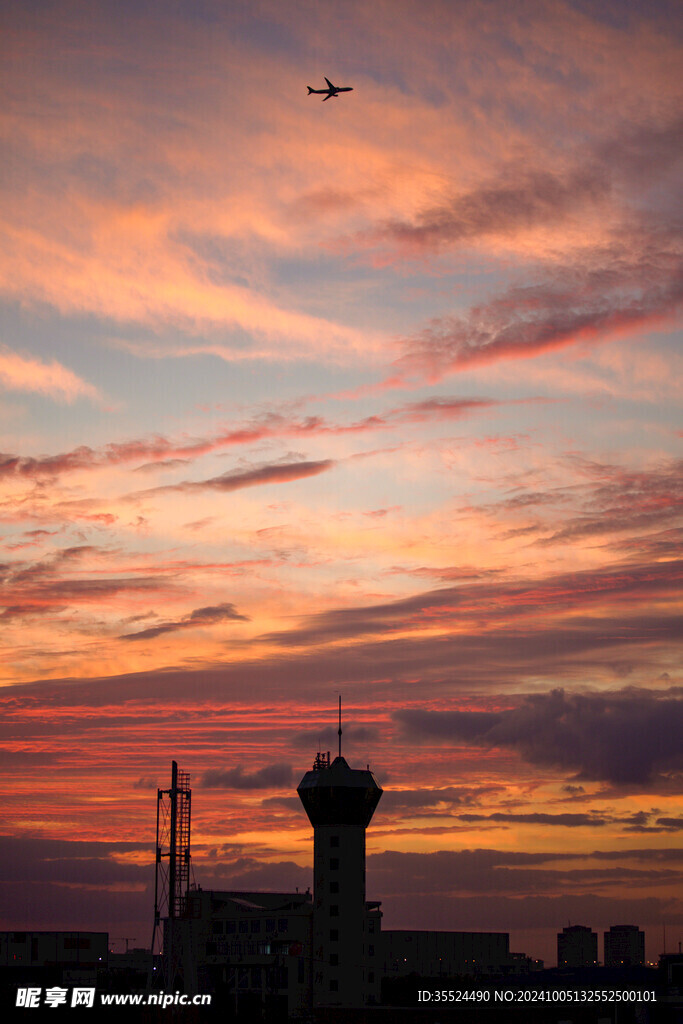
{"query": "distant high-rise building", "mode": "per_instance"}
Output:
(340, 802)
(577, 946)
(624, 946)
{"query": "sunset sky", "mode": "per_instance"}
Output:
(377, 396)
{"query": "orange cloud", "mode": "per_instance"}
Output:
(26, 373)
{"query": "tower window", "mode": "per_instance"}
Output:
(334, 910)
(334, 840)
(334, 886)
(334, 935)
(334, 985)
(334, 959)
(334, 863)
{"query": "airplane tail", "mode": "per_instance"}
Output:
(310, 90)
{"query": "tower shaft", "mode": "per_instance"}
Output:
(339, 913)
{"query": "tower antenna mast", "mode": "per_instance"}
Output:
(339, 730)
(172, 880)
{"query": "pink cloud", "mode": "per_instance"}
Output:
(236, 480)
(606, 295)
(26, 373)
(170, 453)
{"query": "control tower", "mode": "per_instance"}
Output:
(340, 802)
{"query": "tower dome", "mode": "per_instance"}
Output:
(335, 794)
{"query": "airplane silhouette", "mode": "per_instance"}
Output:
(333, 90)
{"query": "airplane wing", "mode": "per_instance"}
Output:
(328, 97)
(329, 82)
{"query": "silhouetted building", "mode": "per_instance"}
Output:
(624, 946)
(340, 802)
(577, 946)
(524, 964)
(56, 956)
(130, 971)
(445, 954)
(252, 949)
(670, 973)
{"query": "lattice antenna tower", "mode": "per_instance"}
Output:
(172, 879)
